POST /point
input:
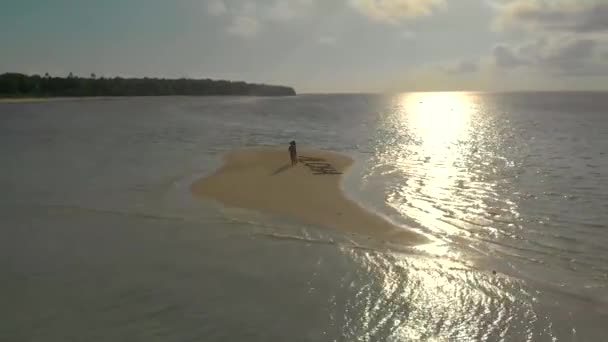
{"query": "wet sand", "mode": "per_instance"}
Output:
(262, 179)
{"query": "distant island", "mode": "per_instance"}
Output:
(15, 85)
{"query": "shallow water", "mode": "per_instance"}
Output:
(101, 241)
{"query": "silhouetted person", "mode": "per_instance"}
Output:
(293, 154)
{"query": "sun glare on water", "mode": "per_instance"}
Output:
(439, 118)
(434, 151)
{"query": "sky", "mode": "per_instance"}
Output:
(317, 46)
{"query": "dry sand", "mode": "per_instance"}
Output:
(263, 180)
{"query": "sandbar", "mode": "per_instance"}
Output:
(262, 179)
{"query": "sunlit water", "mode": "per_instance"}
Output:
(100, 239)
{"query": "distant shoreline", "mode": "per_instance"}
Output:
(48, 99)
(17, 85)
(90, 98)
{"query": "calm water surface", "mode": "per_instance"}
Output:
(100, 239)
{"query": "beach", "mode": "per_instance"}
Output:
(262, 179)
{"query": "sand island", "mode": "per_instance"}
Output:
(262, 179)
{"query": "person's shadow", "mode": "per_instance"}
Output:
(281, 169)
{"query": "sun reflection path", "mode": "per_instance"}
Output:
(440, 125)
(434, 152)
(433, 142)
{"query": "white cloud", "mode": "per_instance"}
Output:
(216, 7)
(395, 11)
(244, 26)
(327, 40)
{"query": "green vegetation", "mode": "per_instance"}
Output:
(20, 85)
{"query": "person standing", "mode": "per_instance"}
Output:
(293, 153)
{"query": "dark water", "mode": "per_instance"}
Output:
(100, 239)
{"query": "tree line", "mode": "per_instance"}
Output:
(21, 85)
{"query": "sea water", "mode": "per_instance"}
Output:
(101, 240)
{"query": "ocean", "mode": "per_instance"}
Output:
(101, 239)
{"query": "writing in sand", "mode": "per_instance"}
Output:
(319, 166)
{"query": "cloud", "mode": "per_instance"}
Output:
(327, 40)
(395, 11)
(216, 7)
(407, 35)
(244, 20)
(463, 67)
(286, 10)
(281, 11)
(557, 56)
(506, 58)
(247, 19)
(248, 9)
(244, 26)
(564, 37)
(570, 54)
(558, 15)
